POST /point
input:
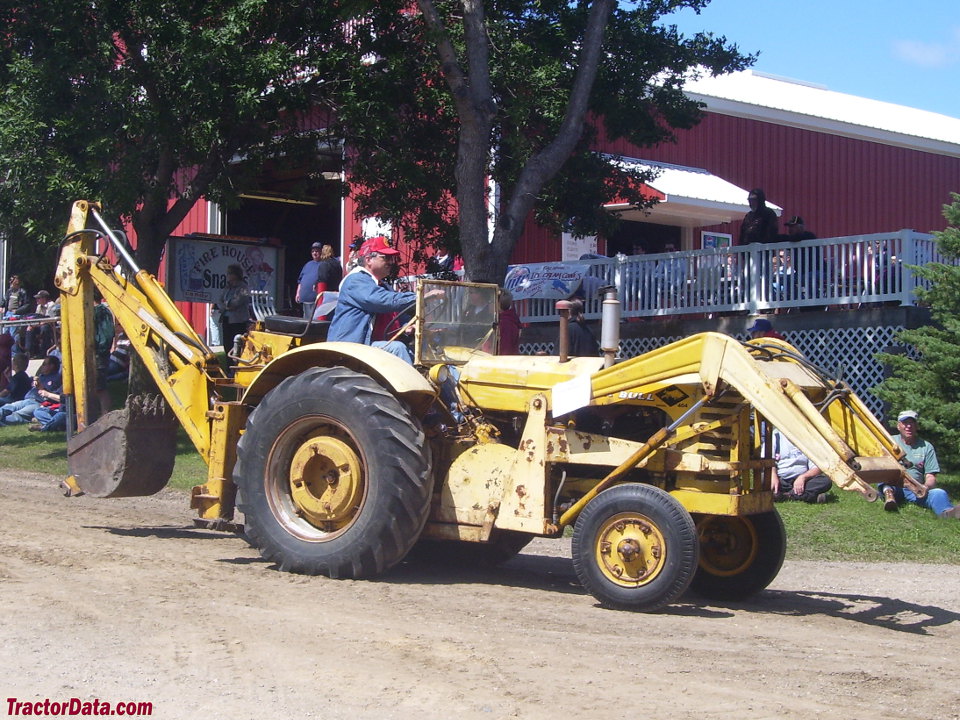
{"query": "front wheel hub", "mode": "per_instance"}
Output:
(630, 550)
(326, 482)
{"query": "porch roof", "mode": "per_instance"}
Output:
(689, 196)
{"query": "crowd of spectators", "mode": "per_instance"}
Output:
(29, 334)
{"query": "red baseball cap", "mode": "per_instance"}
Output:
(378, 244)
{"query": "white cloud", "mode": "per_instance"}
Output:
(926, 54)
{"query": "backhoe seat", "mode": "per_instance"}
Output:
(286, 325)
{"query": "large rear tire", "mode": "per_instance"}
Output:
(739, 556)
(635, 547)
(333, 475)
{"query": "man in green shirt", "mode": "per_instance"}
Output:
(924, 469)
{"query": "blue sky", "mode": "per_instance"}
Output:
(901, 52)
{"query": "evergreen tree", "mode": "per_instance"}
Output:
(928, 380)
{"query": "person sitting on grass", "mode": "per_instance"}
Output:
(794, 477)
(18, 384)
(47, 387)
(49, 417)
(923, 469)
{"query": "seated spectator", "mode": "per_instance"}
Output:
(794, 477)
(49, 417)
(47, 387)
(118, 367)
(37, 339)
(6, 356)
(18, 382)
(923, 469)
(55, 352)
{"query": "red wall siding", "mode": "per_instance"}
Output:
(537, 244)
(195, 221)
(841, 186)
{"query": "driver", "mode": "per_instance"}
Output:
(362, 298)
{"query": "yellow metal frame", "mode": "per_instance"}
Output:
(185, 370)
(711, 386)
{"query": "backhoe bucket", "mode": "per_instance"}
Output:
(126, 452)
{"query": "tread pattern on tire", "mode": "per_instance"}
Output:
(673, 521)
(772, 547)
(397, 469)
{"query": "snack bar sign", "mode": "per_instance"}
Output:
(548, 281)
(197, 269)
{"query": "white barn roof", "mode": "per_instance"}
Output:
(757, 96)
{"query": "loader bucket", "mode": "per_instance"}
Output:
(126, 452)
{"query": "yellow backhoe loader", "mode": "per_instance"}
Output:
(342, 457)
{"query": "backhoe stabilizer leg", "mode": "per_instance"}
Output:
(214, 500)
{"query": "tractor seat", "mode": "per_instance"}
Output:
(286, 325)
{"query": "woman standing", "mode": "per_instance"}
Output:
(234, 306)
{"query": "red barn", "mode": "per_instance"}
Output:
(848, 165)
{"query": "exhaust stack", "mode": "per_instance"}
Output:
(610, 325)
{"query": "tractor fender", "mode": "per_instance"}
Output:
(388, 370)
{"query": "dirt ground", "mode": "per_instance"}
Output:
(123, 600)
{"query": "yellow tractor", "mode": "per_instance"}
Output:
(342, 457)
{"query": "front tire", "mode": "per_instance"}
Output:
(635, 548)
(739, 556)
(333, 475)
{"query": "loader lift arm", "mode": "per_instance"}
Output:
(129, 451)
(829, 424)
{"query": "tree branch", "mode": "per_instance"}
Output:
(544, 164)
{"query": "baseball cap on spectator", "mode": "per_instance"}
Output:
(42, 294)
(795, 220)
(760, 325)
(378, 244)
(317, 246)
(908, 415)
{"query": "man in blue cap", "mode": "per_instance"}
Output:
(763, 328)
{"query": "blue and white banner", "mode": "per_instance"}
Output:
(550, 281)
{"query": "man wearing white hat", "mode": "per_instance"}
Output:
(924, 469)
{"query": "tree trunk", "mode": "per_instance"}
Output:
(484, 258)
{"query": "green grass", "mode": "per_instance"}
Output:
(853, 529)
(47, 453)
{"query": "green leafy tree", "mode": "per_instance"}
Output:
(504, 101)
(928, 380)
(148, 105)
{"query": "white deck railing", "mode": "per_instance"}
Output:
(844, 271)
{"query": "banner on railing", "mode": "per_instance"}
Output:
(547, 281)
